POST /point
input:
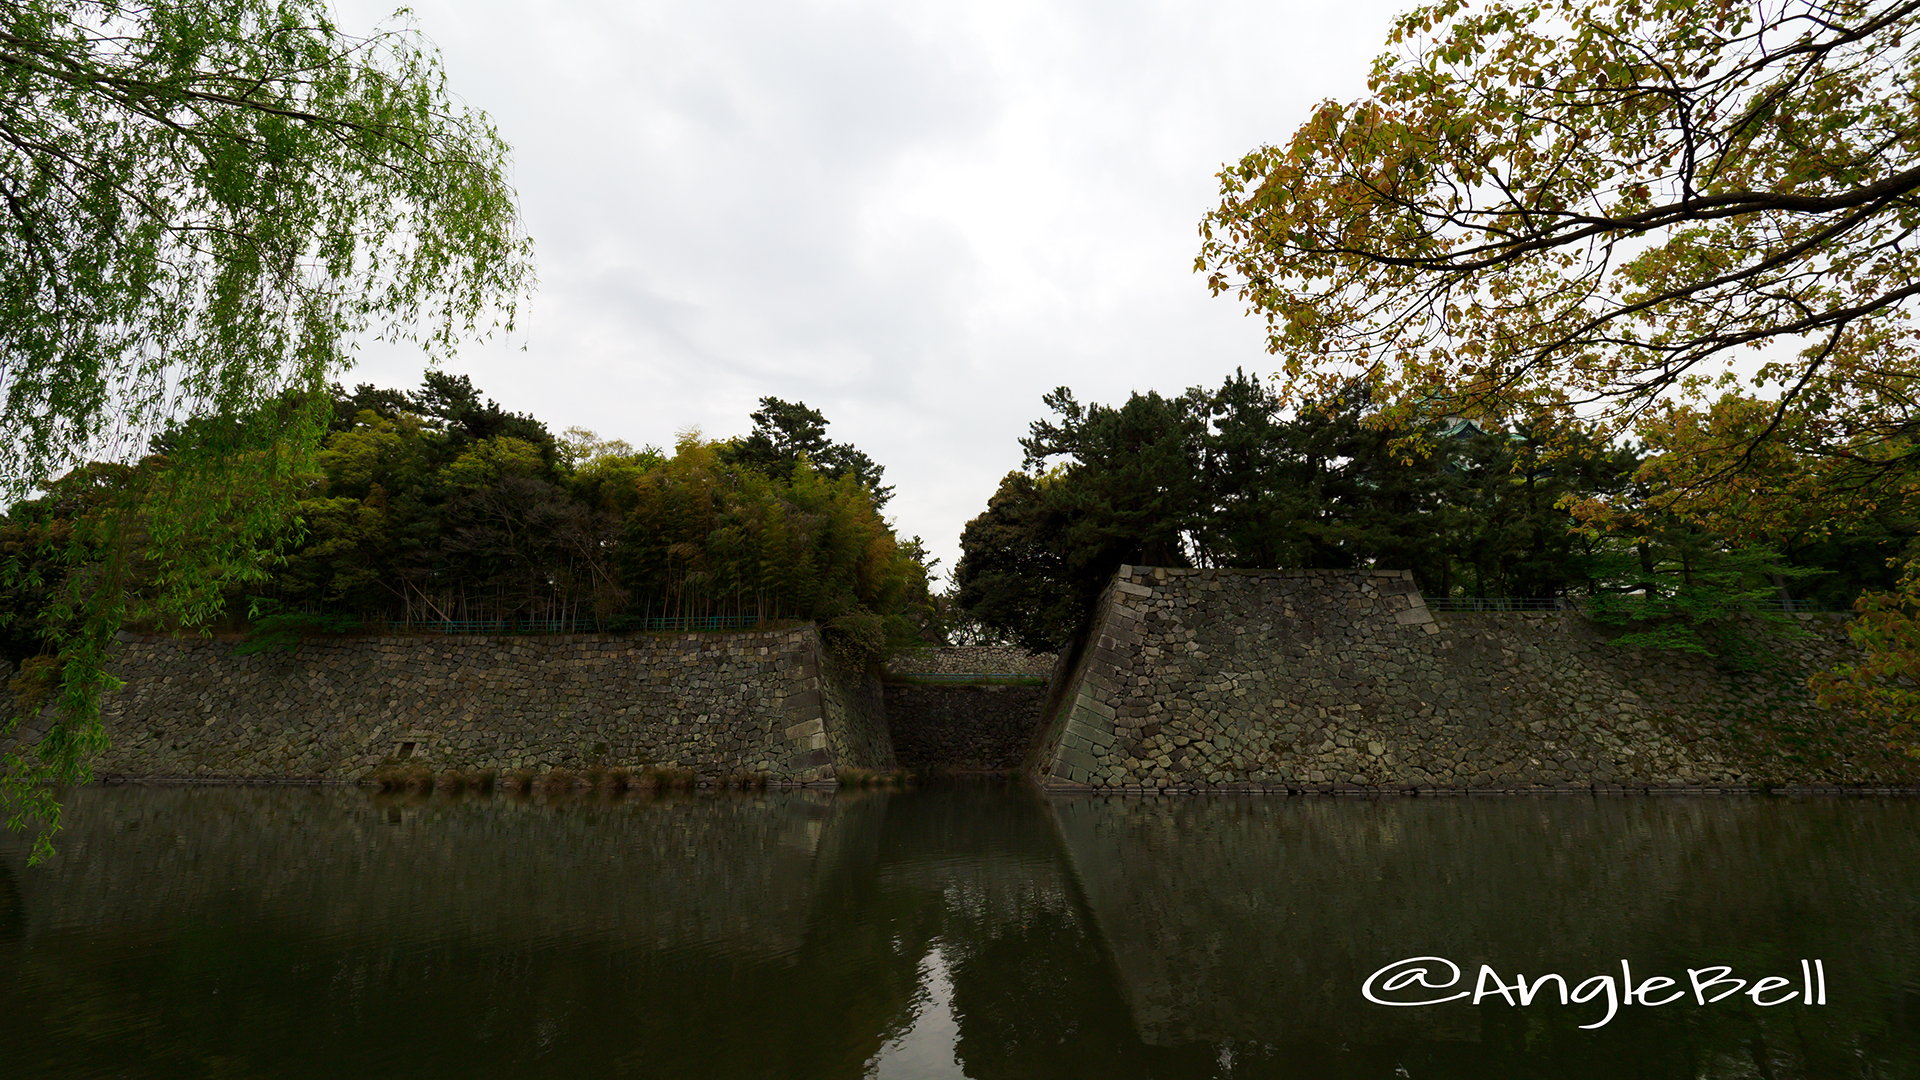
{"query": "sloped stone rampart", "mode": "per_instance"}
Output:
(1312, 680)
(767, 702)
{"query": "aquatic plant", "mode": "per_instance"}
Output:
(418, 780)
(557, 781)
(661, 776)
(853, 776)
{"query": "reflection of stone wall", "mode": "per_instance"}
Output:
(1258, 919)
(770, 702)
(967, 726)
(794, 933)
(293, 931)
(1320, 678)
(672, 872)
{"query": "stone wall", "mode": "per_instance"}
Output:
(1302, 680)
(765, 702)
(854, 713)
(978, 726)
(1288, 680)
(971, 660)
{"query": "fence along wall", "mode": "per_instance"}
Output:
(770, 702)
(1323, 679)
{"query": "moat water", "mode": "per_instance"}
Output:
(982, 932)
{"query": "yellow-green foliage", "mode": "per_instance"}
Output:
(708, 538)
(486, 461)
(1884, 688)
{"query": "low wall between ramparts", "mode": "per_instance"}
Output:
(971, 660)
(772, 703)
(1311, 680)
(968, 726)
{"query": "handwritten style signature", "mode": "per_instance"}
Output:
(1417, 979)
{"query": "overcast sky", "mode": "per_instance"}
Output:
(915, 217)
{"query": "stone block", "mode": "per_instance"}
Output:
(1074, 761)
(1100, 739)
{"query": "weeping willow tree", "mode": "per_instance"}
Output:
(203, 204)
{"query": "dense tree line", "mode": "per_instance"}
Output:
(439, 506)
(1228, 478)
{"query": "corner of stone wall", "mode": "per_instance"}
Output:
(1079, 720)
(805, 722)
(854, 710)
(1037, 762)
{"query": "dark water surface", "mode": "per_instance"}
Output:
(263, 932)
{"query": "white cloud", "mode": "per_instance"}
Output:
(916, 217)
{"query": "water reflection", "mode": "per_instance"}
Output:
(1250, 925)
(984, 932)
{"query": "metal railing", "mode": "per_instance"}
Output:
(616, 625)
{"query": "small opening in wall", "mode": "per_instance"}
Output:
(405, 751)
